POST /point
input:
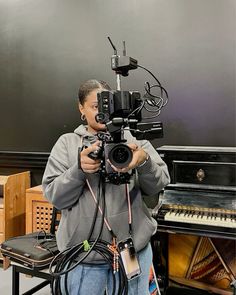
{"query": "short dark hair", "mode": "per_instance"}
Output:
(88, 86)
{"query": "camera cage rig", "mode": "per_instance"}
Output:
(121, 110)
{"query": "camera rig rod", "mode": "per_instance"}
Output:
(118, 81)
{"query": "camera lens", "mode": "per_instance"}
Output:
(120, 155)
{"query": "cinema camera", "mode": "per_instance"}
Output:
(121, 111)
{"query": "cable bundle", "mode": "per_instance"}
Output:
(155, 101)
(70, 258)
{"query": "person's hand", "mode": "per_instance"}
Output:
(87, 164)
(139, 157)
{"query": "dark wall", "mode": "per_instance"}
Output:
(47, 48)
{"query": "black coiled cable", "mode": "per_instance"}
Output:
(67, 260)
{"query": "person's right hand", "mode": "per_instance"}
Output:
(87, 164)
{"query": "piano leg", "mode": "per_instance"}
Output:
(160, 259)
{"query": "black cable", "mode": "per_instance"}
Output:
(156, 101)
(65, 259)
(158, 82)
(69, 261)
(148, 90)
(137, 110)
(73, 252)
(152, 98)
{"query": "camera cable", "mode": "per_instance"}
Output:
(67, 260)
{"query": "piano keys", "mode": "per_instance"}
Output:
(181, 211)
(211, 219)
(203, 216)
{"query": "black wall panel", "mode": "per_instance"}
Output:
(47, 48)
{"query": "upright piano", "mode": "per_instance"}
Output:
(196, 217)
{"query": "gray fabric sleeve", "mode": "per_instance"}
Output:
(153, 176)
(62, 183)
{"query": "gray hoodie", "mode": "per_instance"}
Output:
(64, 185)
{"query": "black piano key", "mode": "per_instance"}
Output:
(233, 217)
(176, 212)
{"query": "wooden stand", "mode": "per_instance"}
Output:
(38, 210)
(12, 204)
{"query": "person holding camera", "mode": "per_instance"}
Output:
(71, 182)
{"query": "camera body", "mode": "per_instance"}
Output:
(116, 110)
(118, 104)
(120, 110)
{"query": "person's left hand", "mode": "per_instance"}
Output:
(139, 156)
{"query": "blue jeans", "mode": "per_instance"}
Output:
(94, 280)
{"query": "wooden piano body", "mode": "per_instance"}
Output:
(196, 218)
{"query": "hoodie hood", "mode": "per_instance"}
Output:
(82, 130)
(87, 137)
